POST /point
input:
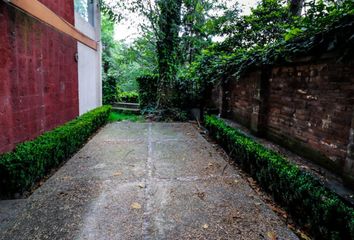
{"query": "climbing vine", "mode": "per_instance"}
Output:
(272, 35)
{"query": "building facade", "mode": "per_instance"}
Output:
(50, 65)
(88, 21)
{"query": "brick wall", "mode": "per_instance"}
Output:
(244, 98)
(38, 74)
(305, 106)
(313, 104)
(349, 163)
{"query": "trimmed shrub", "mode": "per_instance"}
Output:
(32, 160)
(312, 205)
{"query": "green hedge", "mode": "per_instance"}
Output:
(32, 160)
(311, 205)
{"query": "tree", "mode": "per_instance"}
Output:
(195, 36)
(167, 46)
(177, 28)
(109, 81)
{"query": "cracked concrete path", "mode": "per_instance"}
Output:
(143, 181)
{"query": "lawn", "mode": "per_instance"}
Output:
(117, 117)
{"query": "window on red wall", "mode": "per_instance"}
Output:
(85, 8)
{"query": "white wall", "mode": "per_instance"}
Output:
(89, 64)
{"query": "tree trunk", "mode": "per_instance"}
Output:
(296, 7)
(169, 23)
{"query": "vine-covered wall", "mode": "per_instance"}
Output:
(305, 106)
(38, 74)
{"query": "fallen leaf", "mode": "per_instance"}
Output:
(304, 236)
(205, 226)
(117, 174)
(272, 236)
(66, 178)
(201, 195)
(229, 181)
(135, 205)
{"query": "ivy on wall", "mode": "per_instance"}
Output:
(270, 36)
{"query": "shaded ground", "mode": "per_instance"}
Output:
(143, 181)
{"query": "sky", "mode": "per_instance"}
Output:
(127, 30)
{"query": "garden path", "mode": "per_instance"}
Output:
(144, 181)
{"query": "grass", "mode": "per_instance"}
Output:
(117, 117)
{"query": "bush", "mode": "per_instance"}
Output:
(109, 88)
(148, 90)
(32, 160)
(305, 198)
(130, 97)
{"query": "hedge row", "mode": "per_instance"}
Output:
(32, 160)
(311, 205)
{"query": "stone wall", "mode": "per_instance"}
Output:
(38, 74)
(305, 106)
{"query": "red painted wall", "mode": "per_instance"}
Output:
(38, 74)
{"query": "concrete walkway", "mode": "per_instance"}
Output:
(143, 181)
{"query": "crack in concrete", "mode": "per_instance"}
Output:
(147, 223)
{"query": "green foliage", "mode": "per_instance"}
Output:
(123, 63)
(110, 11)
(117, 117)
(184, 96)
(180, 38)
(132, 61)
(167, 48)
(109, 79)
(148, 100)
(304, 197)
(32, 160)
(270, 35)
(148, 91)
(109, 90)
(130, 97)
(194, 34)
(174, 34)
(145, 53)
